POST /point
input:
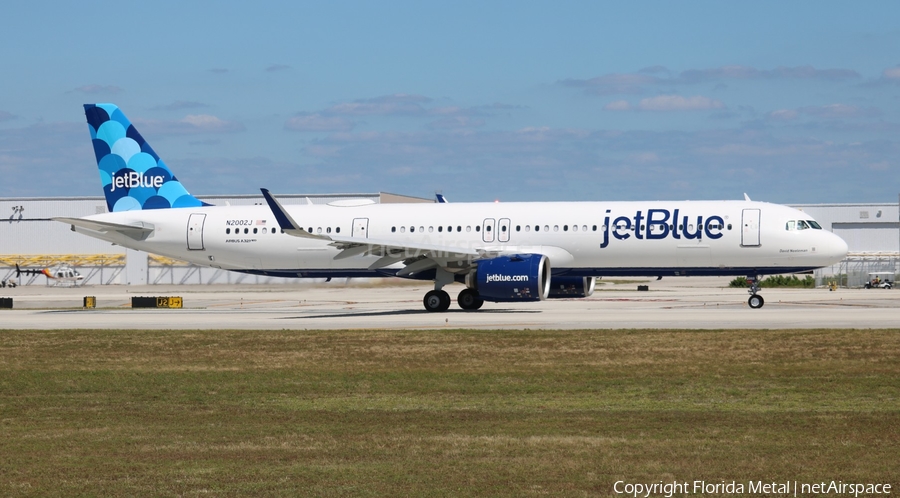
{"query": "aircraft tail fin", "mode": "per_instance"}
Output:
(132, 174)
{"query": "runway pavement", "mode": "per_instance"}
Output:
(678, 303)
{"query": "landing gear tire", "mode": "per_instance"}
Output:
(469, 299)
(436, 300)
(756, 301)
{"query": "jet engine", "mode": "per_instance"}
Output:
(564, 286)
(522, 277)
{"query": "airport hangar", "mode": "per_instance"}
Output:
(29, 238)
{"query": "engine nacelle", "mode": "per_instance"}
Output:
(561, 287)
(523, 277)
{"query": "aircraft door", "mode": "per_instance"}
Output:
(361, 227)
(503, 230)
(195, 231)
(487, 230)
(750, 228)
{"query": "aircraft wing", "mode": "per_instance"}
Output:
(417, 257)
(137, 231)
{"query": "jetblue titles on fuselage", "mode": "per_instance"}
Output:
(659, 224)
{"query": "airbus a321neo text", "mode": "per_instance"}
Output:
(502, 252)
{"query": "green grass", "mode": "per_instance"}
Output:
(773, 281)
(440, 413)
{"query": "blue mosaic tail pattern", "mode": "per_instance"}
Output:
(133, 176)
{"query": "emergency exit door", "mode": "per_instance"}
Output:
(361, 227)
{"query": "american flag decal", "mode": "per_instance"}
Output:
(260, 222)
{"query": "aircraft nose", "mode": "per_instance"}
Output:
(837, 247)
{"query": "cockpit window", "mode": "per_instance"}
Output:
(802, 225)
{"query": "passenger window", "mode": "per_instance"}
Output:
(255, 231)
(246, 230)
(488, 228)
(594, 228)
(503, 228)
(565, 228)
(574, 228)
(402, 229)
(440, 229)
(328, 230)
(430, 229)
(555, 228)
(527, 228)
(412, 229)
(518, 228)
(393, 229)
(477, 228)
(459, 229)
(337, 230)
(264, 231)
(469, 228)
(584, 228)
(421, 229)
(537, 228)
(227, 231)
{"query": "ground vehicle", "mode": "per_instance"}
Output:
(880, 280)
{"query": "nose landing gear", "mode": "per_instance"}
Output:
(756, 301)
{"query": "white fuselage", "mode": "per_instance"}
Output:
(579, 238)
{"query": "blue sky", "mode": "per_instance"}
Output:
(792, 102)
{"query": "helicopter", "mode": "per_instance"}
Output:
(61, 275)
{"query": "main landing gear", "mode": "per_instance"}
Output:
(438, 300)
(756, 301)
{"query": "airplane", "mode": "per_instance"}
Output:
(500, 251)
(59, 274)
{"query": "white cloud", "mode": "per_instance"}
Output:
(838, 111)
(191, 124)
(679, 103)
(891, 73)
(318, 123)
(455, 123)
(98, 89)
(207, 123)
(618, 105)
(830, 111)
(656, 76)
(783, 115)
(179, 105)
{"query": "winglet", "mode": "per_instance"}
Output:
(285, 221)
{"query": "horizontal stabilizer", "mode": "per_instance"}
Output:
(136, 231)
